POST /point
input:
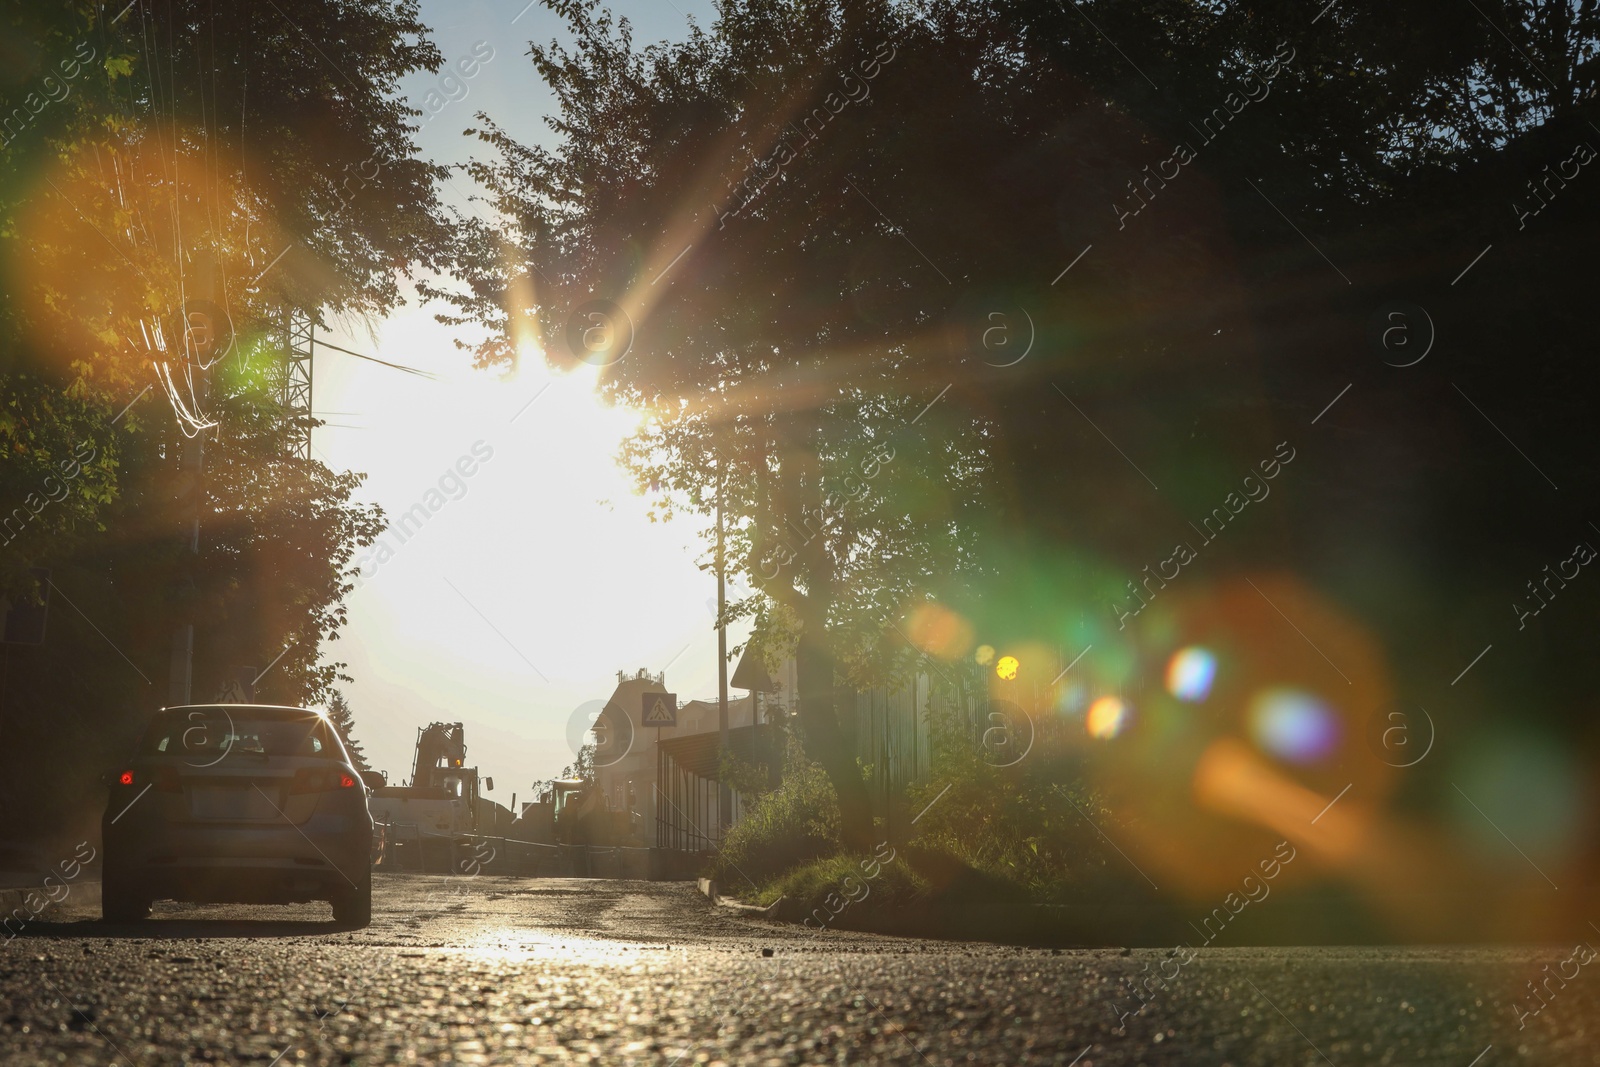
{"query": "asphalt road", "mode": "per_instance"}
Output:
(498, 970)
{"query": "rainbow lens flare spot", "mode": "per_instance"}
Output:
(1293, 725)
(1190, 673)
(1006, 669)
(1107, 718)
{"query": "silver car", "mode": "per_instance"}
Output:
(245, 803)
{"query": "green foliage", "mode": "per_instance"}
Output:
(59, 472)
(794, 824)
(1027, 824)
(748, 779)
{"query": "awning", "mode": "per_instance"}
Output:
(700, 753)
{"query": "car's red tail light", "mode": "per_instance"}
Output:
(307, 780)
(126, 777)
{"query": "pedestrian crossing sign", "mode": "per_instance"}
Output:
(238, 686)
(660, 709)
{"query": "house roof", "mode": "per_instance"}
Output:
(627, 700)
(751, 673)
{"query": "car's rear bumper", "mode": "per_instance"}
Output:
(247, 882)
(216, 862)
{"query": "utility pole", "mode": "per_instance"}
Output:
(191, 469)
(724, 794)
(196, 341)
(204, 334)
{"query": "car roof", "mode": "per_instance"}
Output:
(273, 711)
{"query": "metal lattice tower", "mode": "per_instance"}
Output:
(297, 334)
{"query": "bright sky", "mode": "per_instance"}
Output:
(539, 577)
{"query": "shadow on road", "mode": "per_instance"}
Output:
(190, 929)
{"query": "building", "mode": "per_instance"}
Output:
(638, 768)
(627, 757)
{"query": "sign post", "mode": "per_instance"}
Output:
(659, 709)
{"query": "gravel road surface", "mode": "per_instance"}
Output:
(502, 970)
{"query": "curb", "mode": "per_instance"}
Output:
(708, 888)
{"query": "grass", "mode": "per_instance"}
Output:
(1008, 849)
(837, 888)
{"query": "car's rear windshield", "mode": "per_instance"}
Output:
(203, 732)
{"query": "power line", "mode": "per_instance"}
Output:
(374, 359)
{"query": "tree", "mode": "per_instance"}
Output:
(344, 721)
(802, 426)
(265, 179)
(785, 237)
(161, 157)
(583, 766)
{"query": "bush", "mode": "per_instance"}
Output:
(1026, 825)
(793, 825)
(1001, 839)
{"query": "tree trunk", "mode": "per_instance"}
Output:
(825, 742)
(824, 739)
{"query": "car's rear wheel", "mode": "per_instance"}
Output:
(123, 899)
(353, 905)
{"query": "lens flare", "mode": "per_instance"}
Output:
(1071, 699)
(1107, 718)
(1006, 669)
(984, 656)
(1190, 674)
(1293, 725)
(938, 631)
